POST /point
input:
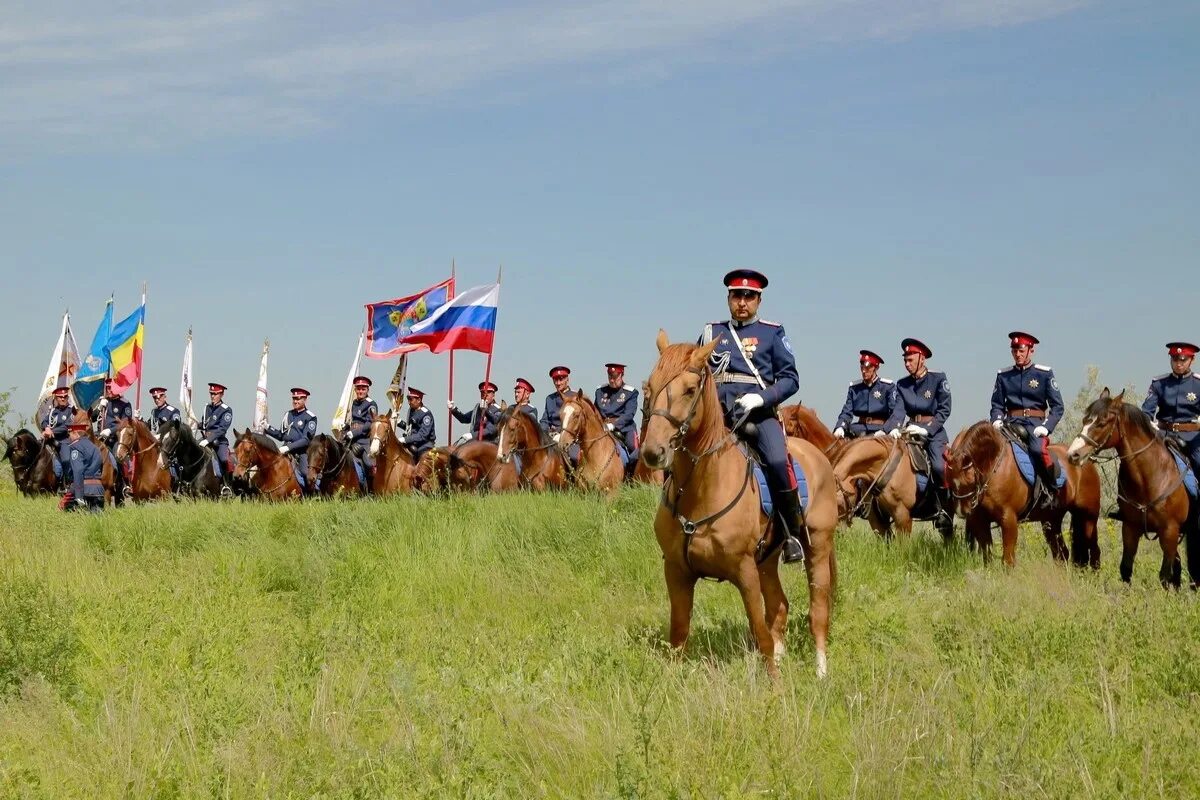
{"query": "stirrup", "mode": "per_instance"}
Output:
(793, 551)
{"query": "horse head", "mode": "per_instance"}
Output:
(381, 431)
(321, 451)
(127, 439)
(517, 433)
(576, 417)
(971, 461)
(682, 401)
(249, 449)
(1101, 427)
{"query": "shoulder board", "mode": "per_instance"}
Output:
(628, 388)
(1196, 374)
(1003, 370)
(423, 408)
(856, 383)
(772, 324)
(224, 406)
(1042, 367)
(886, 380)
(170, 408)
(1164, 376)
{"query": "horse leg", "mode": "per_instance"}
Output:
(1171, 571)
(979, 532)
(1085, 549)
(776, 603)
(1008, 537)
(1129, 542)
(752, 598)
(1052, 530)
(902, 519)
(822, 574)
(681, 587)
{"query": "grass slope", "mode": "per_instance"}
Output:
(513, 647)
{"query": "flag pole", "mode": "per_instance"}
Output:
(487, 370)
(450, 389)
(137, 403)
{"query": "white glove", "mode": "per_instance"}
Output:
(749, 401)
(839, 433)
(283, 448)
(1154, 422)
(481, 404)
(895, 433)
(104, 434)
(880, 434)
(610, 426)
(450, 404)
(204, 442)
(997, 423)
(1040, 430)
(555, 436)
(915, 429)
(466, 437)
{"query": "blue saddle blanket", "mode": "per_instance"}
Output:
(299, 475)
(764, 493)
(624, 454)
(1025, 465)
(1185, 472)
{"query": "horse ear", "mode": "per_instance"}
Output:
(1120, 398)
(701, 354)
(662, 341)
(1104, 395)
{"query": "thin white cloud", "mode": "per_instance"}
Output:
(76, 73)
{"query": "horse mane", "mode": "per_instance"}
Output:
(589, 407)
(802, 422)
(983, 443)
(677, 358)
(507, 414)
(263, 441)
(1140, 419)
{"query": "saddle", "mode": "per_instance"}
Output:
(764, 491)
(1041, 495)
(1177, 451)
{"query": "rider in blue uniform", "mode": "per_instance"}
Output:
(421, 436)
(924, 397)
(617, 402)
(872, 400)
(1027, 395)
(521, 394)
(1173, 401)
(483, 418)
(111, 409)
(296, 431)
(755, 371)
(363, 411)
(214, 426)
(87, 467)
(551, 418)
(162, 413)
(54, 426)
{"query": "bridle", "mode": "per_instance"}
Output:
(135, 453)
(585, 445)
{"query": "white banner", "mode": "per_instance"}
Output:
(185, 385)
(64, 363)
(260, 393)
(395, 392)
(341, 414)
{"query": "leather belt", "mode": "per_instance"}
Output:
(1181, 427)
(872, 420)
(734, 377)
(1036, 413)
(924, 419)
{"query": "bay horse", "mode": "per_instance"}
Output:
(431, 474)
(134, 440)
(258, 461)
(32, 460)
(193, 463)
(542, 464)
(393, 461)
(875, 474)
(331, 467)
(1150, 491)
(600, 466)
(988, 488)
(476, 465)
(710, 522)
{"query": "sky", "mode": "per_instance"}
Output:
(944, 170)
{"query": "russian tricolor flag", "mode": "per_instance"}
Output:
(468, 322)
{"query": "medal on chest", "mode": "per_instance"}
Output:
(1191, 396)
(1033, 383)
(749, 345)
(928, 394)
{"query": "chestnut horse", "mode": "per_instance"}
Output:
(875, 474)
(475, 465)
(331, 467)
(258, 460)
(710, 521)
(641, 472)
(135, 441)
(542, 464)
(600, 466)
(988, 487)
(1150, 490)
(393, 461)
(32, 459)
(801, 422)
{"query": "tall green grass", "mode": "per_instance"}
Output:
(514, 647)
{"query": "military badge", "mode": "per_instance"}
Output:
(877, 394)
(928, 394)
(1033, 383)
(621, 397)
(749, 345)
(786, 344)
(1191, 396)
(1053, 383)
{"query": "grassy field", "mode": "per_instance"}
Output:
(514, 647)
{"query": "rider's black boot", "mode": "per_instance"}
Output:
(788, 511)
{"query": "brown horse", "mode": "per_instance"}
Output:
(257, 459)
(600, 466)
(1150, 491)
(474, 465)
(134, 440)
(32, 459)
(542, 464)
(331, 467)
(710, 521)
(431, 474)
(988, 488)
(393, 461)
(801, 422)
(875, 475)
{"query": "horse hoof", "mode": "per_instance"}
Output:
(779, 650)
(822, 665)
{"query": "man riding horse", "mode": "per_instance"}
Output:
(483, 418)
(298, 428)
(421, 436)
(214, 427)
(924, 397)
(617, 402)
(161, 413)
(1026, 396)
(54, 427)
(755, 371)
(363, 411)
(872, 400)
(1173, 401)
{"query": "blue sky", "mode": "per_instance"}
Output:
(944, 170)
